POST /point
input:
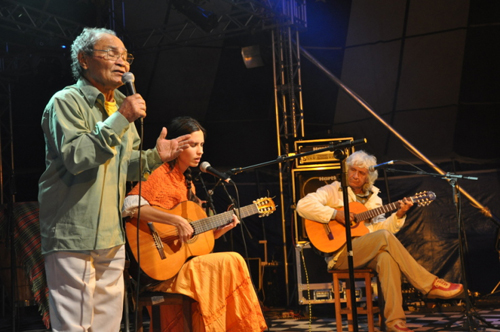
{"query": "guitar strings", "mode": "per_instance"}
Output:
(201, 225)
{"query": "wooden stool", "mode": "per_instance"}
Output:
(155, 300)
(370, 310)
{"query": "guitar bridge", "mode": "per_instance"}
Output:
(157, 240)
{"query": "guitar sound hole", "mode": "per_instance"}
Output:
(193, 239)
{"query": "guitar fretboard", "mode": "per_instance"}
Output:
(426, 197)
(375, 212)
(209, 223)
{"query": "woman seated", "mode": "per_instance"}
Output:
(219, 282)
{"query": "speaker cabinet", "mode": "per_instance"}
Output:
(319, 159)
(314, 282)
(306, 180)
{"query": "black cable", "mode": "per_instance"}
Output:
(138, 280)
(210, 202)
(237, 206)
(236, 203)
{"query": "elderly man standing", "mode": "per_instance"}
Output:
(91, 151)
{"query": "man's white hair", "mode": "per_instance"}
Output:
(364, 160)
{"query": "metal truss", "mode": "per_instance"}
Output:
(289, 111)
(235, 17)
(28, 20)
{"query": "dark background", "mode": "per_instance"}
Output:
(428, 68)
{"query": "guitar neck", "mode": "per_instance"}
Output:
(375, 212)
(221, 219)
(384, 209)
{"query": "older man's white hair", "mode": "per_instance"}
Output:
(364, 160)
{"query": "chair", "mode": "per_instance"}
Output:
(157, 299)
(369, 310)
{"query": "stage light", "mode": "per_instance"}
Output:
(251, 56)
(205, 19)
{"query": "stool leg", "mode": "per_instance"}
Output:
(381, 306)
(187, 315)
(369, 302)
(350, 326)
(155, 320)
(138, 324)
(336, 292)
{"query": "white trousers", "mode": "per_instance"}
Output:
(86, 289)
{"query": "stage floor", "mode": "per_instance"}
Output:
(443, 319)
(448, 321)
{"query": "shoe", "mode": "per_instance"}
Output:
(442, 289)
(397, 326)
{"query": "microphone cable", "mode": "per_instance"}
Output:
(210, 203)
(138, 277)
(236, 203)
(129, 80)
(243, 225)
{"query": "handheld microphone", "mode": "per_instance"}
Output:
(372, 168)
(206, 168)
(128, 79)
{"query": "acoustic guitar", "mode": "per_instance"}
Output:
(329, 237)
(162, 254)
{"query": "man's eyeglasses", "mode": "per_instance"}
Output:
(112, 54)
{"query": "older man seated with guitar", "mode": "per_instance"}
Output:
(374, 244)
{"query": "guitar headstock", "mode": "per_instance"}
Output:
(424, 198)
(265, 205)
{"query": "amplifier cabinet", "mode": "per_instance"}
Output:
(324, 158)
(306, 180)
(314, 282)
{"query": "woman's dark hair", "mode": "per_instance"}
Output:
(179, 126)
(183, 125)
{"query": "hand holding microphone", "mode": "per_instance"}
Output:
(129, 80)
(134, 106)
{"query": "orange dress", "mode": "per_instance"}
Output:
(219, 282)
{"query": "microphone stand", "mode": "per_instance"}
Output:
(210, 203)
(233, 201)
(236, 205)
(340, 154)
(283, 158)
(471, 324)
